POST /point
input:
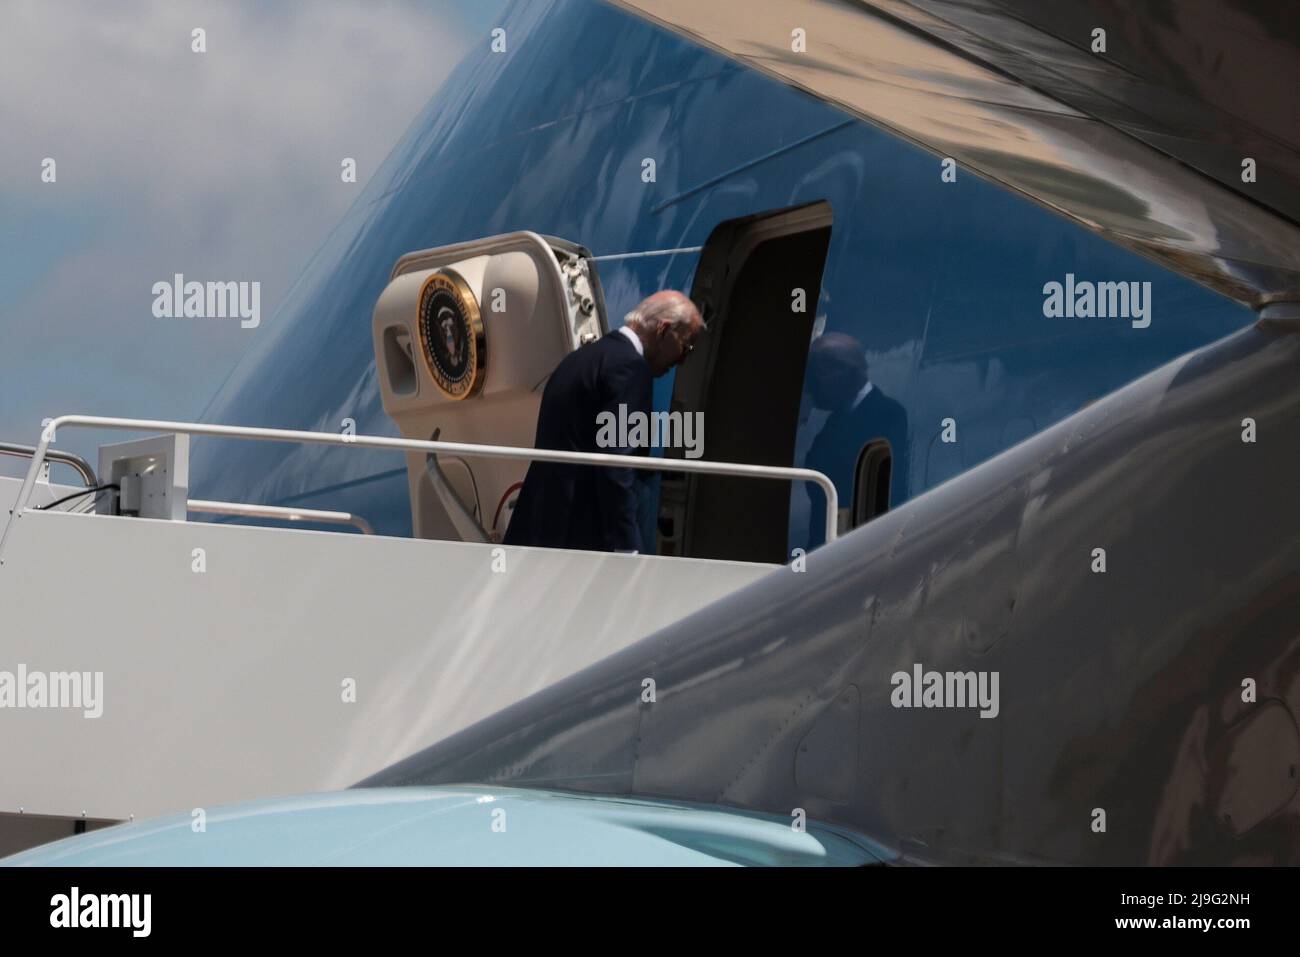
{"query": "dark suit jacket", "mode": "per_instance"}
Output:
(583, 506)
(836, 449)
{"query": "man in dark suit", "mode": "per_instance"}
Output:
(838, 381)
(584, 506)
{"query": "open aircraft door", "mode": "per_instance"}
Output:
(465, 337)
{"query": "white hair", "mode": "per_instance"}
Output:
(673, 312)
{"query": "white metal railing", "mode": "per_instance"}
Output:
(280, 512)
(645, 463)
(67, 458)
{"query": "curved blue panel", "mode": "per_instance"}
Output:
(459, 827)
(942, 283)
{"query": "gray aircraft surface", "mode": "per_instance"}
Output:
(1109, 613)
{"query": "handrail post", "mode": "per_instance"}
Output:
(832, 507)
(25, 493)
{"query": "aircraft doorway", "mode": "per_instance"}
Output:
(747, 379)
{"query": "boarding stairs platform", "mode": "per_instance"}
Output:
(239, 661)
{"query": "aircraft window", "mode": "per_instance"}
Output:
(871, 481)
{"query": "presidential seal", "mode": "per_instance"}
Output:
(451, 335)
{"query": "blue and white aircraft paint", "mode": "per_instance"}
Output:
(942, 282)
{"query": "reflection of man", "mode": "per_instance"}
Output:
(581, 506)
(859, 413)
(449, 336)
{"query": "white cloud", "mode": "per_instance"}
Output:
(222, 165)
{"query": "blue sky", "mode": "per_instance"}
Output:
(222, 166)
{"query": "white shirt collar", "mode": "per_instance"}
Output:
(866, 389)
(636, 340)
